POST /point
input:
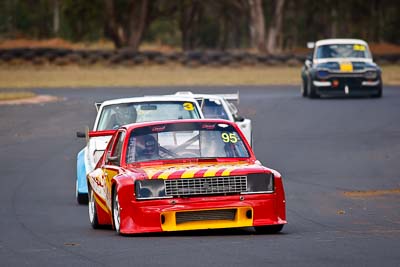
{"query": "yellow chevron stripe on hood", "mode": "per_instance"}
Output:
(190, 173)
(212, 171)
(166, 173)
(191, 169)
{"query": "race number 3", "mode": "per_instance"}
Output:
(188, 106)
(229, 138)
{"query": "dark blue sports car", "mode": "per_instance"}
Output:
(340, 67)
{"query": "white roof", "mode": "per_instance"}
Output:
(160, 98)
(340, 41)
(229, 97)
(191, 95)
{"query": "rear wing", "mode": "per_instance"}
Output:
(231, 97)
(234, 97)
(101, 133)
(88, 134)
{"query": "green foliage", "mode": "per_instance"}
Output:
(164, 31)
(205, 24)
(26, 18)
(82, 20)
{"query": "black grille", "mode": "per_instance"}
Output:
(205, 186)
(206, 215)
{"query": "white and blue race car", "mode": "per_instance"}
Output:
(221, 106)
(114, 113)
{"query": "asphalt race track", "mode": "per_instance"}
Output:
(340, 160)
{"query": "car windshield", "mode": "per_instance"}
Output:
(213, 109)
(186, 140)
(342, 51)
(114, 116)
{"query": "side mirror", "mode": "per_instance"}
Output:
(81, 134)
(112, 159)
(237, 117)
(308, 62)
(84, 134)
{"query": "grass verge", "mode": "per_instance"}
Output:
(98, 76)
(7, 96)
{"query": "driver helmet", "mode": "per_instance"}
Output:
(147, 147)
(126, 114)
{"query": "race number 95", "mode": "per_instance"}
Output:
(229, 138)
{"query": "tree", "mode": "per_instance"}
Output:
(127, 22)
(56, 17)
(275, 28)
(257, 25)
(189, 13)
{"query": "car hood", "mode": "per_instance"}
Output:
(201, 170)
(334, 64)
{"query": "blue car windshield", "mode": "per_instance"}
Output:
(342, 51)
(213, 109)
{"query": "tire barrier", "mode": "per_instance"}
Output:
(126, 57)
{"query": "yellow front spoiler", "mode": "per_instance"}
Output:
(243, 218)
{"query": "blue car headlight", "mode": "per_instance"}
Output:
(150, 189)
(371, 74)
(322, 74)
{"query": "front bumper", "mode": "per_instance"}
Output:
(181, 214)
(347, 86)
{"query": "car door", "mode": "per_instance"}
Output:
(112, 163)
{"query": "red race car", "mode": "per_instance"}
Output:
(183, 175)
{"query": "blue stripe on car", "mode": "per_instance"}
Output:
(81, 172)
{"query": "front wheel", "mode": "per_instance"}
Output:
(270, 229)
(311, 92)
(303, 88)
(379, 94)
(92, 210)
(116, 212)
(82, 199)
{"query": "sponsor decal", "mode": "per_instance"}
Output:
(159, 128)
(208, 126)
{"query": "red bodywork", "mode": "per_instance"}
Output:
(157, 215)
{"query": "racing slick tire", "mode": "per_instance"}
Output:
(303, 88)
(311, 90)
(82, 199)
(270, 229)
(379, 94)
(92, 210)
(116, 216)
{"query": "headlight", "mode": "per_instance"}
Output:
(371, 74)
(150, 189)
(322, 74)
(260, 183)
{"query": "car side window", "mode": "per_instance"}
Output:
(117, 148)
